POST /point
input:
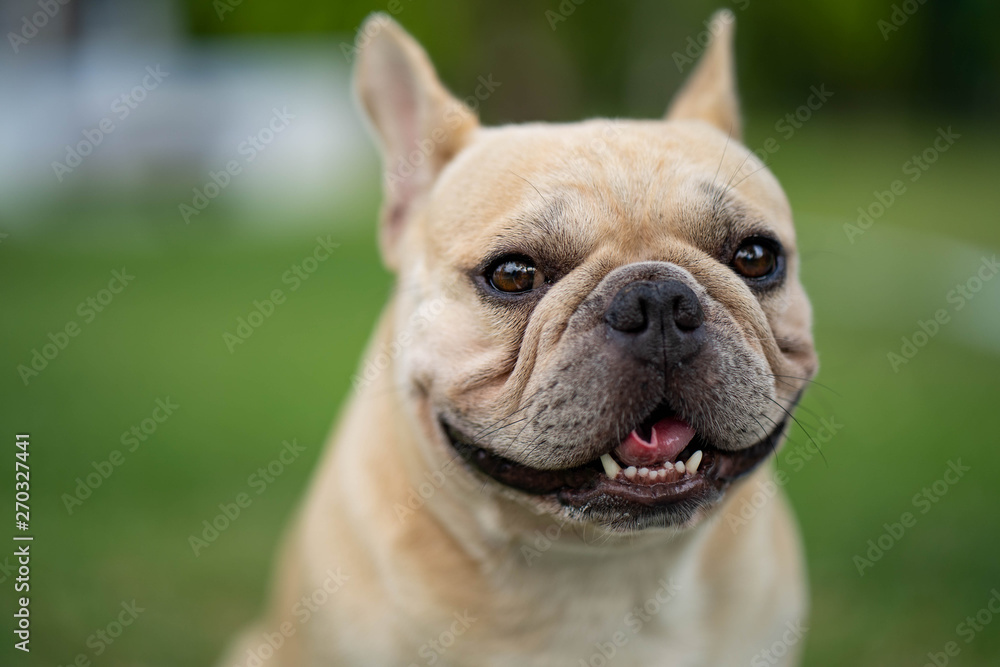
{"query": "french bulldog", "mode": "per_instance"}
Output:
(595, 345)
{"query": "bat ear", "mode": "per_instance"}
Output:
(418, 124)
(709, 94)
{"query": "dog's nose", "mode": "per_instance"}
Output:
(657, 321)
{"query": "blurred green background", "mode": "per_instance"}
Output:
(887, 433)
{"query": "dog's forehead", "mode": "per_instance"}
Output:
(604, 179)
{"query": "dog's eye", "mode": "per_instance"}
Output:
(514, 274)
(757, 258)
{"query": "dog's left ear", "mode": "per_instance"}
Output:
(419, 125)
(710, 92)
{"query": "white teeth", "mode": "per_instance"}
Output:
(693, 462)
(611, 467)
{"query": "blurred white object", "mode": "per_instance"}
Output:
(83, 84)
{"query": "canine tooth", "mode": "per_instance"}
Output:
(630, 472)
(694, 462)
(679, 467)
(643, 472)
(611, 467)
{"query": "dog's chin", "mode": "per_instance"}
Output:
(623, 500)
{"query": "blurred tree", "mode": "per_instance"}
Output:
(572, 58)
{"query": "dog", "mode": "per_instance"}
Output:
(596, 343)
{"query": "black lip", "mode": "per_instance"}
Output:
(586, 487)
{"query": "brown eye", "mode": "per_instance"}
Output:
(515, 274)
(756, 258)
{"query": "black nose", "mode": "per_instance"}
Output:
(657, 321)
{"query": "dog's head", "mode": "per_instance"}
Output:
(611, 324)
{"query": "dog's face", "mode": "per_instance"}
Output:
(617, 332)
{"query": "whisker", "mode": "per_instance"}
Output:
(798, 423)
(532, 186)
(818, 384)
(722, 159)
(774, 449)
(728, 185)
(737, 183)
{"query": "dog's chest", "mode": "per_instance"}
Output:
(625, 614)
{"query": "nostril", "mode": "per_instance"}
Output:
(629, 321)
(688, 314)
(629, 311)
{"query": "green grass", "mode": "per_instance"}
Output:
(162, 337)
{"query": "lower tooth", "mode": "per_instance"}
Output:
(611, 467)
(630, 472)
(643, 472)
(679, 467)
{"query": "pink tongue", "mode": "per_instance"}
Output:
(668, 439)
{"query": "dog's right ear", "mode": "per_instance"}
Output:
(419, 125)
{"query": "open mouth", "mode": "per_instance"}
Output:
(662, 466)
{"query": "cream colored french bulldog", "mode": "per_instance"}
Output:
(596, 341)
